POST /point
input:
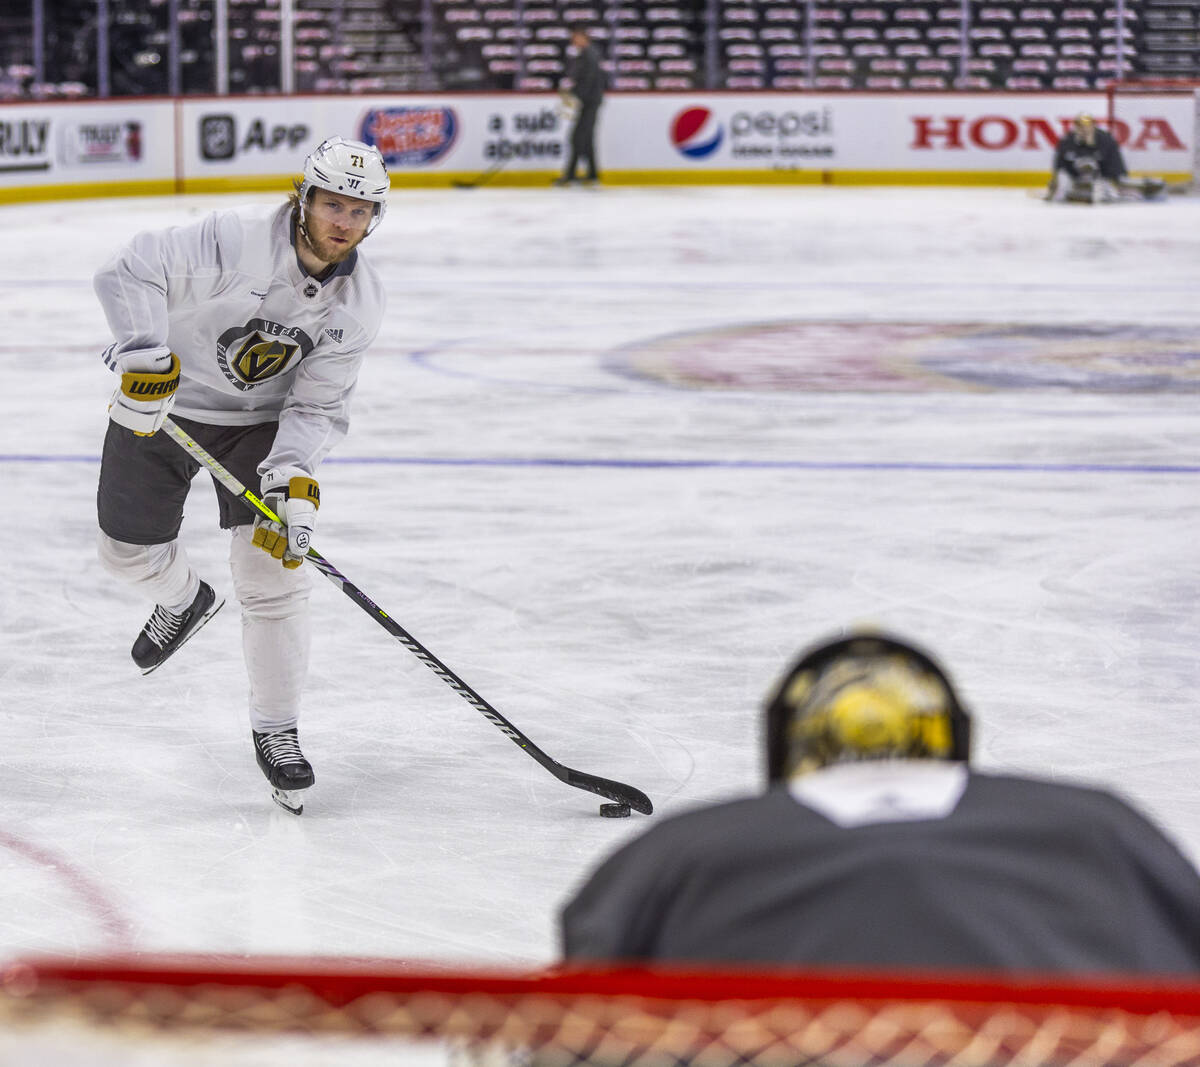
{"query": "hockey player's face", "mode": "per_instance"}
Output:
(335, 224)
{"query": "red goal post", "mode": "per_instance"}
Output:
(1120, 92)
(299, 1012)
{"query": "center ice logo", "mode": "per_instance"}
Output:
(696, 133)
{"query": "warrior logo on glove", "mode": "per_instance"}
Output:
(294, 497)
(144, 398)
(140, 385)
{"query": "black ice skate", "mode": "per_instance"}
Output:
(283, 763)
(165, 631)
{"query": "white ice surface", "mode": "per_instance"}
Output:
(620, 565)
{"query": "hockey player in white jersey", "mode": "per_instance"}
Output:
(250, 330)
(877, 845)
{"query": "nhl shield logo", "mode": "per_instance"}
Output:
(311, 289)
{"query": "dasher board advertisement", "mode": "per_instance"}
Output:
(203, 144)
(90, 144)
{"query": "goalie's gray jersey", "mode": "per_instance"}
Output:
(257, 338)
(992, 872)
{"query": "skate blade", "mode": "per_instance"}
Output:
(217, 606)
(291, 800)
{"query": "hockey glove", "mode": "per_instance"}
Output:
(144, 398)
(294, 497)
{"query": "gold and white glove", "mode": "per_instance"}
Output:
(144, 397)
(294, 496)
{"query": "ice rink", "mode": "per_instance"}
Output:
(617, 456)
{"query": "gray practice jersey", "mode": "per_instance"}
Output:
(258, 340)
(987, 873)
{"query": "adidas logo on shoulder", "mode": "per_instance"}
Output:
(335, 336)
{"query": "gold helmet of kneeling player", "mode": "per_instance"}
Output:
(865, 697)
(1085, 127)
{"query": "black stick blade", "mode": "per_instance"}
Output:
(618, 792)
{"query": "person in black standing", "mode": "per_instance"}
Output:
(587, 86)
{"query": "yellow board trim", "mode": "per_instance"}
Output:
(249, 183)
(535, 178)
(87, 190)
(282, 183)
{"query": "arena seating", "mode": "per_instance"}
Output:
(415, 45)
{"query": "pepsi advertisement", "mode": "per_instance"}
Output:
(762, 134)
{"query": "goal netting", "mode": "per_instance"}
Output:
(1157, 122)
(190, 1011)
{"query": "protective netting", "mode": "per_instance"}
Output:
(176, 1013)
(1136, 115)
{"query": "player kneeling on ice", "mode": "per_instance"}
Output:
(876, 845)
(252, 329)
(1089, 169)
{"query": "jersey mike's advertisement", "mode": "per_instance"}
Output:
(212, 144)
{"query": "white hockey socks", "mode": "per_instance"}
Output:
(162, 572)
(275, 631)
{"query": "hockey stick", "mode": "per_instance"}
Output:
(617, 792)
(481, 179)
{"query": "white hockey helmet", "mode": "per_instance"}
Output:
(351, 168)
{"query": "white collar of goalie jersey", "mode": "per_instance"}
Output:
(875, 791)
(308, 286)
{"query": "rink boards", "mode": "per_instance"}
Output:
(213, 144)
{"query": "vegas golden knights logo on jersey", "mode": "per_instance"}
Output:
(260, 358)
(261, 350)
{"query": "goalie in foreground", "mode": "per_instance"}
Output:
(877, 846)
(254, 330)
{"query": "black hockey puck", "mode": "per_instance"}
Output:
(615, 811)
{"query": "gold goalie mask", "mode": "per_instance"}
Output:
(866, 697)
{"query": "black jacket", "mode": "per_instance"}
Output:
(587, 76)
